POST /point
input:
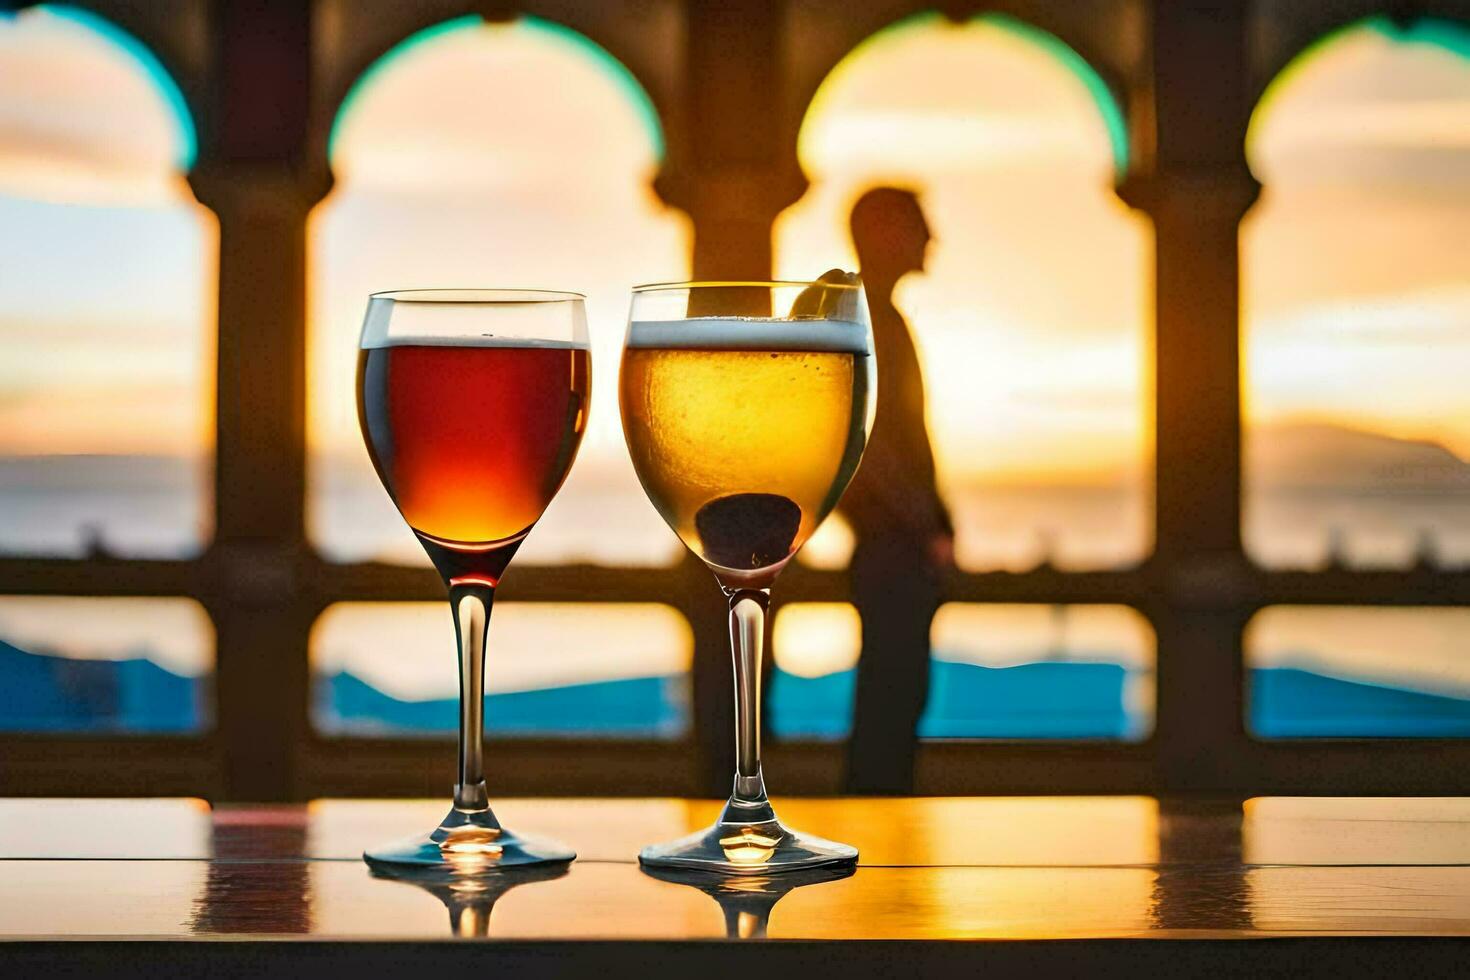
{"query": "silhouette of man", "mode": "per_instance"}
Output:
(903, 531)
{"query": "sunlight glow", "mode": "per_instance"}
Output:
(1318, 831)
(959, 903)
(1002, 831)
(810, 639)
(1006, 634)
(831, 546)
(817, 639)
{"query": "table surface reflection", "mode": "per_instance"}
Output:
(931, 869)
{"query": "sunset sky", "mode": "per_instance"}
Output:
(1356, 259)
(106, 261)
(1033, 315)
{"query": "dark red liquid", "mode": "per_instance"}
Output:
(472, 442)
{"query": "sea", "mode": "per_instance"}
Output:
(1038, 701)
(157, 507)
(160, 507)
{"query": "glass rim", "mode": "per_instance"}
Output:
(478, 296)
(654, 287)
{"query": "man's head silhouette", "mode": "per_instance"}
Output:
(889, 233)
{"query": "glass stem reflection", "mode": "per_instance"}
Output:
(471, 604)
(747, 642)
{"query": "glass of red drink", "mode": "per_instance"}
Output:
(472, 403)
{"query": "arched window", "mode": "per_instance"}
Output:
(1356, 310)
(515, 154)
(1356, 302)
(1032, 322)
(106, 297)
(107, 275)
(489, 154)
(1032, 317)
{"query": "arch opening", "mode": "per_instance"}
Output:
(106, 402)
(1033, 316)
(463, 158)
(1356, 344)
(1032, 322)
(1356, 303)
(514, 155)
(107, 382)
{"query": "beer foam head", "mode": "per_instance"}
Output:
(749, 333)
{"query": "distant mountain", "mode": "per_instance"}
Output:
(1039, 700)
(1320, 457)
(811, 707)
(649, 707)
(42, 693)
(1044, 700)
(1086, 700)
(1289, 703)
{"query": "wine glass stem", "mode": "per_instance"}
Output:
(471, 606)
(747, 642)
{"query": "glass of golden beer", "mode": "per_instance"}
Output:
(472, 404)
(746, 407)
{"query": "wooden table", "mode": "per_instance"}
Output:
(952, 886)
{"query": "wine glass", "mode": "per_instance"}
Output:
(746, 407)
(472, 403)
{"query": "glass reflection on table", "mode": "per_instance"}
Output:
(469, 886)
(747, 900)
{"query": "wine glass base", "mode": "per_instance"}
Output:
(749, 849)
(468, 843)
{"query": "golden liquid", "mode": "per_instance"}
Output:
(707, 424)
